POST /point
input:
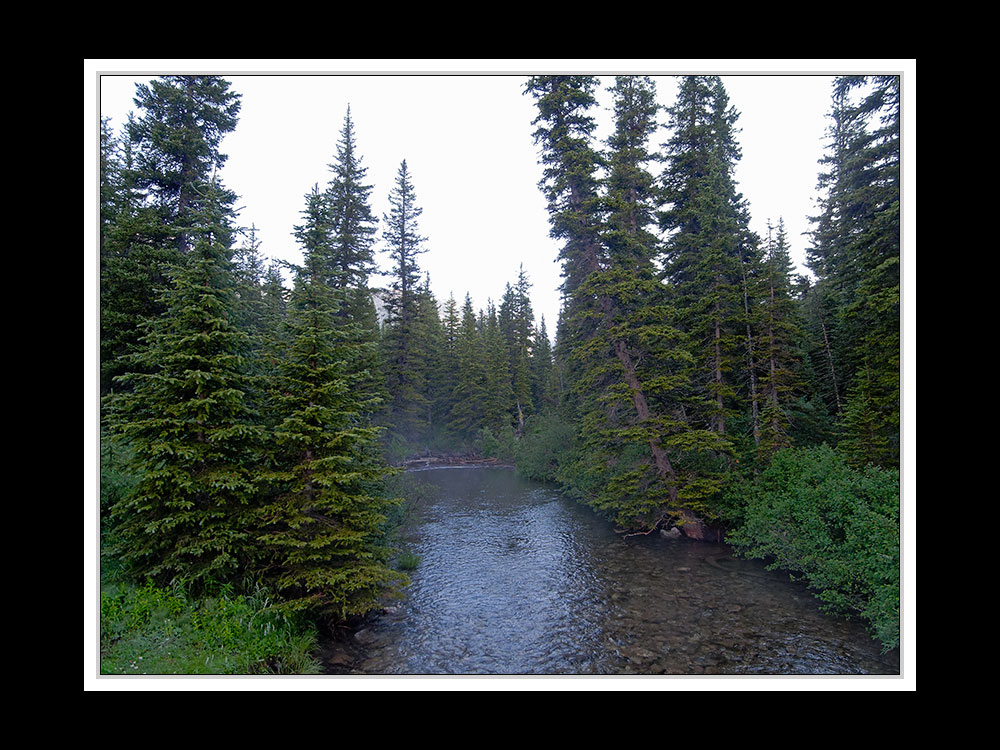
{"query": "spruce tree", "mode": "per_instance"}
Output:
(630, 197)
(628, 366)
(855, 256)
(447, 375)
(875, 311)
(186, 415)
(468, 413)
(499, 401)
(544, 383)
(353, 227)
(322, 524)
(517, 323)
(352, 257)
(706, 222)
(780, 346)
(571, 184)
(429, 342)
(271, 325)
(402, 358)
(169, 154)
(177, 146)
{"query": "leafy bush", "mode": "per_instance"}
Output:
(152, 630)
(544, 445)
(496, 445)
(835, 526)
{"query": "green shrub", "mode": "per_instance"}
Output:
(544, 445)
(499, 445)
(835, 526)
(152, 630)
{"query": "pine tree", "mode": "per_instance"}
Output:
(468, 413)
(169, 155)
(186, 416)
(781, 337)
(544, 383)
(855, 256)
(628, 366)
(352, 257)
(706, 223)
(517, 322)
(402, 358)
(571, 185)
(322, 524)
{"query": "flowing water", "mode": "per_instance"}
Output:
(515, 579)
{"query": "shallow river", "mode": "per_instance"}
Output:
(516, 579)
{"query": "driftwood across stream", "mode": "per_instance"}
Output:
(440, 461)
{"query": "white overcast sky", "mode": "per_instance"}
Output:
(466, 138)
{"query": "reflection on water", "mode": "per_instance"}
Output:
(516, 579)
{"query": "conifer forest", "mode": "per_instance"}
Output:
(259, 415)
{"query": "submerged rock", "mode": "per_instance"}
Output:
(365, 637)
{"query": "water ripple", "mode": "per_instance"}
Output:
(516, 579)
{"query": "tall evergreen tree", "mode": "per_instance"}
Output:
(353, 224)
(544, 384)
(177, 145)
(631, 428)
(429, 341)
(517, 323)
(322, 523)
(467, 413)
(403, 360)
(571, 184)
(353, 227)
(630, 197)
(187, 418)
(271, 325)
(780, 346)
(855, 256)
(499, 402)
(447, 374)
(707, 226)
(171, 154)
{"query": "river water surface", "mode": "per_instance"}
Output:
(515, 579)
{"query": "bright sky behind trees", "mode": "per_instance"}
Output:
(467, 141)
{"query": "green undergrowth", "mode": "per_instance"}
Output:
(830, 524)
(150, 630)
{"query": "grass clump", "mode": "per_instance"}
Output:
(153, 630)
(407, 561)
